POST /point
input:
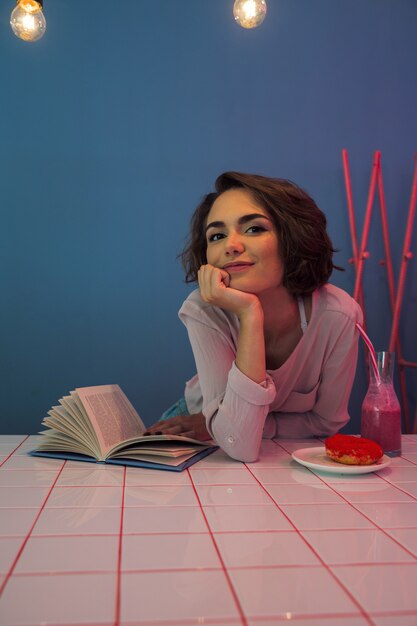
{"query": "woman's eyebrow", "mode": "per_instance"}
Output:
(242, 220)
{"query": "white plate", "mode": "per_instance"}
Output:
(316, 458)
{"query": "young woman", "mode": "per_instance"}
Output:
(275, 345)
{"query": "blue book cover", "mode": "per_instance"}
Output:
(71, 456)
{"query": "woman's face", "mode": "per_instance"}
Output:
(242, 240)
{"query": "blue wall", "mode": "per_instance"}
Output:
(114, 125)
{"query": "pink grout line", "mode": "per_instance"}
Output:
(406, 612)
(230, 584)
(22, 547)
(260, 567)
(278, 619)
(164, 570)
(323, 563)
(13, 451)
(181, 534)
(119, 556)
(328, 616)
(191, 532)
(184, 622)
(85, 486)
(174, 623)
(179, 570)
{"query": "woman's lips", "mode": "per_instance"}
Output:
(237, 267)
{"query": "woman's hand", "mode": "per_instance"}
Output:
(193, 426)
(214, 288)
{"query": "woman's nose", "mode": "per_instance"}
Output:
(234, 244)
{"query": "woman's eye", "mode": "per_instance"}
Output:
(215, 237)
(255, 229)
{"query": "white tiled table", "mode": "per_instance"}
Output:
(222, 543)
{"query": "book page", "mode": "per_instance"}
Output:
(174, 442)
(71, 406)
(155, 458)
(111, 414)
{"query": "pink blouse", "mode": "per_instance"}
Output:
(307, 396)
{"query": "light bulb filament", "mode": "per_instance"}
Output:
(28, 22)
(249, 9)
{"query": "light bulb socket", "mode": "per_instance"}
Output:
(40, 2)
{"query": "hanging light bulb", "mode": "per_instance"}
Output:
(249, 13)
(27, 20)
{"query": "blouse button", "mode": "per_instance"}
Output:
(231, 439)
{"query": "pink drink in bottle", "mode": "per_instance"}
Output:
(381, 412)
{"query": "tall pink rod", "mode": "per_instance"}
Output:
(406, 256)
(385, 234)
(352, 224)
(391, 284)
(367, 223)
(391, 287)
(349, 195)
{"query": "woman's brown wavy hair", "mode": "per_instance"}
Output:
(305, 247)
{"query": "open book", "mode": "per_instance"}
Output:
(100, 424)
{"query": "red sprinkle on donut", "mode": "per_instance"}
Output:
(356, 447)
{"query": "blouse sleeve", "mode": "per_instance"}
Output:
(235, 406)
(330, 411)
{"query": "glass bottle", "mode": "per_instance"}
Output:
(381, 412)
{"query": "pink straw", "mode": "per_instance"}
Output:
(371, 349)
